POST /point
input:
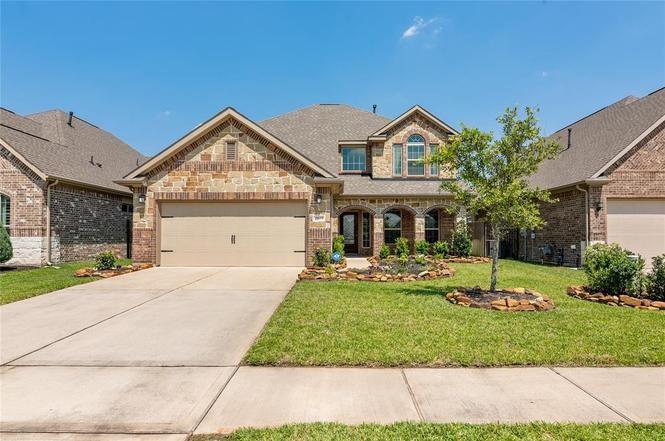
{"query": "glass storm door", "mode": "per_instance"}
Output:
(349, 232)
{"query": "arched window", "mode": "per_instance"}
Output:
(392, 225)
(432, 226)
(415, 154)
(5, 210)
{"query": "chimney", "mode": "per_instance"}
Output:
(570, 136)
(373, 108)
(69, 120)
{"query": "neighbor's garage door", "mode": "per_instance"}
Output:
(233, 233)
(637, 225)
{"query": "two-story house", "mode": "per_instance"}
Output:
(234, 192)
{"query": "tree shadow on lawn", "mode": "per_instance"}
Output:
(427, 290)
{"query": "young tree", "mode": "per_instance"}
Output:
(492, 174)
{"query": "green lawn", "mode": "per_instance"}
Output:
(22, 284)
(457, 432)
(412, 324)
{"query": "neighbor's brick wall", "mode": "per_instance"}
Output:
(88, 222)
(382, 153)
(201, 172)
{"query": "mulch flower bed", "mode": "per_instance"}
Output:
(582, 292)
(384, 270)
(92, 272)
(469, 259)
(511, 299)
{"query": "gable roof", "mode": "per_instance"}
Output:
(413, 110)
(52, 148)
(600, 139)
(203, 128)
(316, 130)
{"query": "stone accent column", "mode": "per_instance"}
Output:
(419, 233)
(378, 234)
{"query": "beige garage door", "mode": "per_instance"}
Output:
(233, 233)
(638, 225)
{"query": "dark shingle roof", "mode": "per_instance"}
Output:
(59, 150)
(598, 138)
(316, 130)
(355, 185)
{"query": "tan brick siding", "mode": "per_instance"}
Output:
(26, 191)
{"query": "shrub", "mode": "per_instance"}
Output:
(330, 270)
(422, 247)
(610, 269)
(105, 260)
(461, 240)
(420, 260)
(384, 252)
(338, 244)
(321, 257)
(6, 250)
(656, 278)
(440, 249)
(402, 247)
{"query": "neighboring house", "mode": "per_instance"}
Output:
(237, 192)
(610, 184)
(58, 198)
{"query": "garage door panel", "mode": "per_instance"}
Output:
(265, 234)
(637, 225)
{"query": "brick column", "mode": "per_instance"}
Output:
(378, 234)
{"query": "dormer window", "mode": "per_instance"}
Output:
(354, 159)
(415, 154)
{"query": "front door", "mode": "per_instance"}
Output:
(348, 224)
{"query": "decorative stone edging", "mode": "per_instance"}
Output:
(469, 259)
(581, 292)
(510, 299)
(92, 272)
(442, 270)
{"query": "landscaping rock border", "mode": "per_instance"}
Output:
(469, 259)
(442, 270)
(582, 292)
(92, 272)
(511, 299)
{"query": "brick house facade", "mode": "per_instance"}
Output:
(56, 183)
(230, 159)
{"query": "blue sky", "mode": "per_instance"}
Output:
(149, 72)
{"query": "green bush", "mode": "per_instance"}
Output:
(440, 249)
(402, 247)
(105, 260)
(610, 269)
(384, 251)
(460, 244)
(321, 257)
(6, 251)
(422, 247)
(338, 244)
(420, 259)
(656, 277)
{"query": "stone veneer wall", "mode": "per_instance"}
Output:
(201, 171)
(382, 153)
(87, 222)
(27, 210)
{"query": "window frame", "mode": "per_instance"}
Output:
(366, 230)
(399, 148)
(410, 144)
(353, 170)
(435, 217)
(392, 229)
(5, 210)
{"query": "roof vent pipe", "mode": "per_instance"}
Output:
(373, 108)
(570, 135)
(69, 119)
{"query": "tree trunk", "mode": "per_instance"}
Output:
(495, 258)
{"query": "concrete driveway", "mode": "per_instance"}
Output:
(147, 352)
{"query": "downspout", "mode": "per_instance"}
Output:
(586, 217)
(48, 221)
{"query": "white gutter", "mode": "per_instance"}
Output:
(48, 221)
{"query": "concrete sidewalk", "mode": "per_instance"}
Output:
(267, 396)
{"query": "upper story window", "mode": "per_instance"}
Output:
(354, 159)
(415, 154)
(5, 210)
(397, 159)
(433, 168)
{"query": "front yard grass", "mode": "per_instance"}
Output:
(412, 324)
(430, 431)
(22, 284)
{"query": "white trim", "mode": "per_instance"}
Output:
(629, 147)
(20, 157)
(407, 114)
(203, 128)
